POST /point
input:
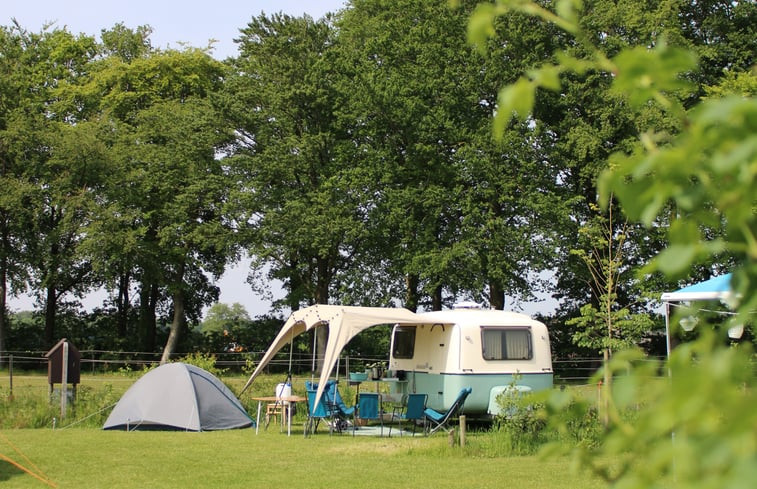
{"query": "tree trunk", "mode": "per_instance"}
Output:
(4, 250)
(178, 314)
(148, 300)
(411, 292)
(3, 301)
(123, 304)
(496, 295)
(606, 388)
(436, 300)
(295, 286)
(321, 297)
(50, 307)
(176, 325)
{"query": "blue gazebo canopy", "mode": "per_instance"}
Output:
(715, 288)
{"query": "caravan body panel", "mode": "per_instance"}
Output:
(481, 349)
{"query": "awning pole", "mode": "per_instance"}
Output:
(667, 329)
(315, 352)
(291, 349)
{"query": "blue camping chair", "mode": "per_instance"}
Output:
(324, 410)
(440, 421)
(368, 407)
(413, 411)
(343, 410)
(340, 411)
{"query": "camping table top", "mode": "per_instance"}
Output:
(291, 400)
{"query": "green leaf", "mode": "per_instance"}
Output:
(683, 232)
(625, 391)
(513, 100)
(644, 74)
(676, 259)
(569, 63)
(547, 76)
(481, 26)
(568, 10)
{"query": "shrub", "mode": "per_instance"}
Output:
(205, 361)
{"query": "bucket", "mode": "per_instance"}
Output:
(284, 390)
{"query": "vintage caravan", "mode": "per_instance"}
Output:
(487, 350)
(436, 353)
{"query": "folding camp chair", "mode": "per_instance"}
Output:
(368, 407)
(341, 412)
(342, 409)
(324, 410)
(437, 420)
(412, 411)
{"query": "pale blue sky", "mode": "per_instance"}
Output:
(173, 21)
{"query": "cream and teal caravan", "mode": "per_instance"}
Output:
(436, 353)
(487, 350)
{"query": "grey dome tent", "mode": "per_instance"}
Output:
(178, 396)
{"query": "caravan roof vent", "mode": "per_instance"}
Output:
(467, 305)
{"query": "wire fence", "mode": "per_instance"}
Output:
(566, 370)
(103, 361)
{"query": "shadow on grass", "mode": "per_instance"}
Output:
(8, 470)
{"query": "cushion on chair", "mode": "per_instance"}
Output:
(436, 416)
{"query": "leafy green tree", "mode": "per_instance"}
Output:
(306, 210)
(225, 325)
(13, 214)
(26, 331)
(453, 213)
(125, 43)
(230, 328)
(584, 121)
(508, 215)
(682, 437)
(113, 247)
(723, 35)
(222, 317)
(401, 110)
(167, 204)
(58, 167)
(608, 327)
(587, 122)
(187, 203)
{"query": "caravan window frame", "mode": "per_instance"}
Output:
(503, 346)
(402, 354)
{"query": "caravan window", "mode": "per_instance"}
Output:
(506, 343)
(404, 342)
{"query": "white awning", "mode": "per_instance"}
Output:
(344, 323)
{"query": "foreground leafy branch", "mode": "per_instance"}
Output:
(693, 426)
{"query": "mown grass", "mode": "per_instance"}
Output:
(106, 459)
(79, 454)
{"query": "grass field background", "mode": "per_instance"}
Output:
(81, 455)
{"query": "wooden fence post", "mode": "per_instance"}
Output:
(64, 383)
(463, 430)
(10, 375)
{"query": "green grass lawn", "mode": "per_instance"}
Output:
(92, 458)
(84, 456)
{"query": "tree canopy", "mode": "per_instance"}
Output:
(351, 157)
